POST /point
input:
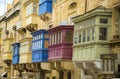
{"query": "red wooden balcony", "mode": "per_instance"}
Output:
(60, 42)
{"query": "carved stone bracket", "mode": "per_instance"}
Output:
(31, 27)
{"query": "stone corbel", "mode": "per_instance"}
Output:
(58, 65)
(29, 67)
(21, 31)
(45, 17)
(32, 27)
(52, 65)
(45, 65)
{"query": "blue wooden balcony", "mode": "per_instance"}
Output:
(40, 56)
(15, 59)
(16, 47)
(45, 6)
(40, 46)
(15, 53)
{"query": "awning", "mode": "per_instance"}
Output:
(4, 74)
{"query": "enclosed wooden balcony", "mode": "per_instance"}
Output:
(25, 50)
(45, 9)
(30, 20)
(7, 54)
(40, 46)
(60, 43)
(25, 2)
(92, 35)
(15, 53)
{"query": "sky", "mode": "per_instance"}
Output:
(3, 5)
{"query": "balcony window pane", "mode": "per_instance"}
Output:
(103, 33)
(88, 34)
(79, 40)
(69, 37)
(61, 37)
(84, 36)
(93, 33)
(34, 9)
(75, 38)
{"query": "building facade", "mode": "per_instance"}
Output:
(37, 42)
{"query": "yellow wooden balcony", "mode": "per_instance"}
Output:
(25, 57)
(31, 19)
(7, 56)
(25, 50)
(25, 2)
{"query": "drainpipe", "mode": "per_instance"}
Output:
(85, 6)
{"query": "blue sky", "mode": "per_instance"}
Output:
(3, 6)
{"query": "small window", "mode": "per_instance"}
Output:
(103, 33)
(69, 36)
(104, 20)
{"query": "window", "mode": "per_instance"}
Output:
(88, 34)
(104, 20)
(34, 9)
(103, 33)
(28, 10)
(93, 33)
(31, 8)
(69, 36)
(84, 36)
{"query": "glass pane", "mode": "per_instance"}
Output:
(75, 38)
(103, 33)
(34, 9)
(88, 34)
(55, 38)
(58, 37)
(41, 43)
(79, 40)
(69, 36)
(84, 36)
(93, 34)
